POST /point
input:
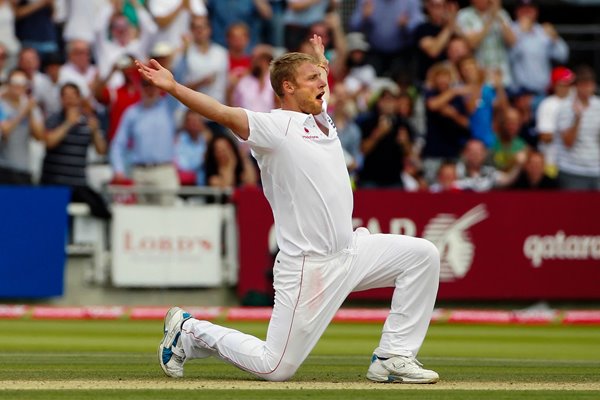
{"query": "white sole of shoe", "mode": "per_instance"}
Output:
(398, 379)
(167, 339)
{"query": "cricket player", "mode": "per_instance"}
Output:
(321, 259)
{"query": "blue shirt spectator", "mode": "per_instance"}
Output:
(387, 24)
(481, 119)
(147, 133)
(223, 13)
(190, 150)
(536, 48)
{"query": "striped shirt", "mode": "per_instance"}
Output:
(583, 158)
(65, 164)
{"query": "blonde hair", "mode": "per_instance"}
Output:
(435, 70)
(284, 69)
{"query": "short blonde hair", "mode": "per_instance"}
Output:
(284, 69)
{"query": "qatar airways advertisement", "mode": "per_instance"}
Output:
(493, 246)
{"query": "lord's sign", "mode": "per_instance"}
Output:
(157, 246)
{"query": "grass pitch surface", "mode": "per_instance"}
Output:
(117, 359)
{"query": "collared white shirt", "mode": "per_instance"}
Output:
(547, 121)
(305, 180)
(583, 157)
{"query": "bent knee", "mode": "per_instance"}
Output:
(431, 255)
(282, 373)
(431, 250)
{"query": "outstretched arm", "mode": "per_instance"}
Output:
(234, 118)
(319, 50)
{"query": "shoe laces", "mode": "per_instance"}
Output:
(408, 362)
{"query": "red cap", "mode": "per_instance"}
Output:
(562, 75)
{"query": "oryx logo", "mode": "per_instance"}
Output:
(452, 239)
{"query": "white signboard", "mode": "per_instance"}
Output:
(166, 246)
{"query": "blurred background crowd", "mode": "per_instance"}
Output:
(427, 95)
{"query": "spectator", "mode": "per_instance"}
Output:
(482, 99)
(68, 135)
(547, 117)
(509, 145)
(475, 175)
(272, 26)
(413, 179)
(78, 68)
(344, 111)
(533, 177)
(80, 19)
(254, 91)
(118, 99)
(226, 166)
(50, 98)
(190, 149)
(39, 83)
(487, 28)
(458, 48)
(223, 14)
(298, 18)
(386, 141)
(579, 129)
(20, 119)
(205, 63)
(164, 53)
(446, 180)
(405, 107)
(147, 131)
(388, 27)
(240, 61)
(524, 101)
(447, 120)
(536, 48)
(35, 28)
(173, 18)
(433, 35)
(116, 36)
(4, 69)
(360, 75)
(9, 43)
(238, 39)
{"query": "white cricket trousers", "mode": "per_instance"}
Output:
(308, 292)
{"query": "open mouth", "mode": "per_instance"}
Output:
(320, 96)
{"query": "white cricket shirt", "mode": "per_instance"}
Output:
(305, 180)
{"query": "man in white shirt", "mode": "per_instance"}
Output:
(204, 64)
(115, 37)
(78, 69)
(487, 28)
(578, 128)
(547, 117)
(321, 260)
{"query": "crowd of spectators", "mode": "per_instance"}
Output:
(426, 95)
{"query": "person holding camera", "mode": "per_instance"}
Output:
(386, 141)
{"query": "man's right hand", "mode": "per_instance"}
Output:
(157, 75)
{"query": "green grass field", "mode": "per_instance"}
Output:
(117, 360)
